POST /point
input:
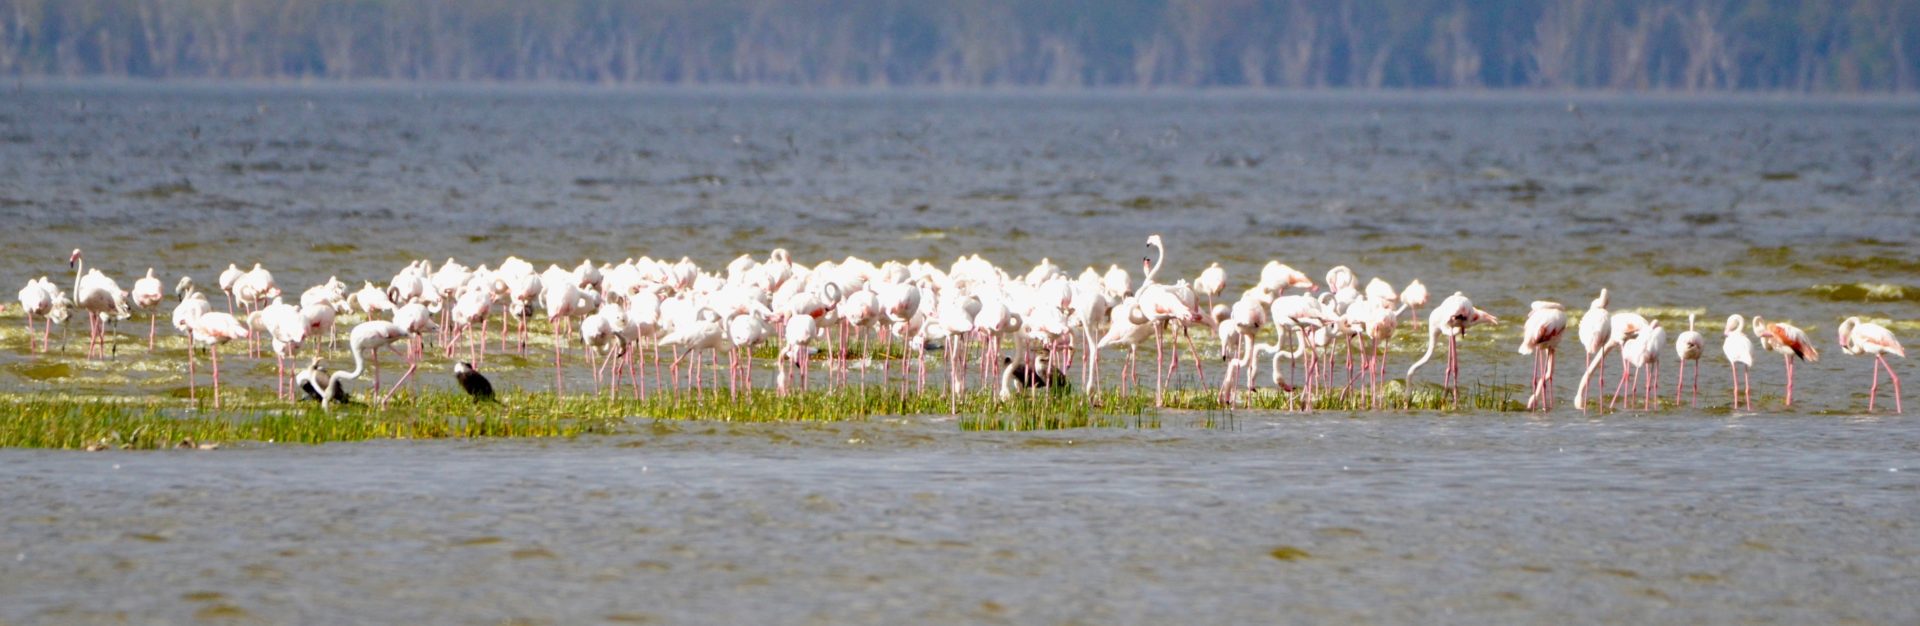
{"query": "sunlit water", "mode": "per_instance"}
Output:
(1681, 515)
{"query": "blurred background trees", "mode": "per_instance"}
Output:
(1685, 45)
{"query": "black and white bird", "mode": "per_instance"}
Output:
(1039, 375)
(318, 384)
(475, 385)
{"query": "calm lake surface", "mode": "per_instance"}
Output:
(1777, 207)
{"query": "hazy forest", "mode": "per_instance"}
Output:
(1683, 45)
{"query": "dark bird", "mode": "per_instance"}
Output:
(474, 384)
(318, 384)
(1039, 375)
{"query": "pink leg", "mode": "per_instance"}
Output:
(1789, 360)
(1874, 390)
(1896, 384)
(213, 352)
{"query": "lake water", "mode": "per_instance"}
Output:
(1753, 206)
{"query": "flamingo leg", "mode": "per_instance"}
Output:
(213, 352)
(1680, 382)
(1694, 399)
(1896, 383)
(1789, 361)
(1873, 391)
(192, 385)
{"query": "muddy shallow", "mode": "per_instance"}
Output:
(1776, 207)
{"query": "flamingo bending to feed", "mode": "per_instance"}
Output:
(365, 341)
(1739, 351)
(1857, 337)
(1546, 325)
(1452, 318)
(1596, 330)
(1689, 346)
(1789, 342)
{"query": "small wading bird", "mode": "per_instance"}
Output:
(1040, 375)
(476, 385)
(1857, 338)
(316, 384)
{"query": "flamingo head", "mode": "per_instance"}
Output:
(73, 259)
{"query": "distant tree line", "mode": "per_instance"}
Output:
(1681, 45)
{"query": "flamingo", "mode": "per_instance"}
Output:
(37, 298)
(1739, 350)
(706, 331)
(1415, 297)
(1211, 282)
(604, 334)
(1857, 337)
(212, 330)
(228, 277)
(1689, 346)
(1595, 332)
(1642, 353)
(1789, 342)
(744, 331)
(1546, 324)
(794, 348)
(1167, 306)
(287, 329)
(1452, 318)
(100, 297)
(147, 294)
(1621, 328)
(365, 342)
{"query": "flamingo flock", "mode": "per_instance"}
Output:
(873, 323)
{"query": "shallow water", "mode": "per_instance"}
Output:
(1685, 515)
(1286, 518)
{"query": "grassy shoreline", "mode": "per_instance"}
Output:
(69, 422)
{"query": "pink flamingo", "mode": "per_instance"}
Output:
(1452, 318)
(1789, 342)
(1689, 346)
(147, 294)
(1739, 351)
(212, 330)
(1857, 337)
(1546, 325)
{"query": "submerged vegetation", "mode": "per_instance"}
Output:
(57, 421)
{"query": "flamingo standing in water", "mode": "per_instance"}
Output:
(1789, 342)
(37, 298)
(1415, 297)
(147, 294)
(1452, 318)
(1689, 346)
(1211, 282)
(100, 297)
(1857, 337)
(1167, 306)
(1739, 351)
(1546, 324)
(211, 330)
(1595, 331)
